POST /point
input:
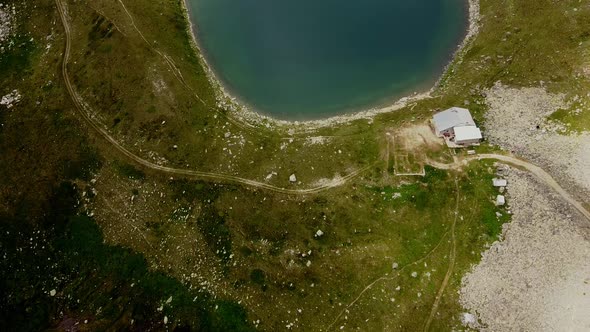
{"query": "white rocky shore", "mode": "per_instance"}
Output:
(242, 112)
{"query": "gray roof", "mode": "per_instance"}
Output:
(464, 133)
(453, 117)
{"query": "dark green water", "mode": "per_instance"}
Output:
(308, 59)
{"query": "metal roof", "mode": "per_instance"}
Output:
(453, 117)
(466, 133)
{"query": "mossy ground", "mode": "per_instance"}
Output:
(235, 257)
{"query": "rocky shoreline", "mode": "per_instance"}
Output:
(243, 113)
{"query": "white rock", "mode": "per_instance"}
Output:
(52, 292)
(165, 319)
(293, 178)
(468, 319)
(319, 233)
(499, 182)
(500, 200)
(10, 99)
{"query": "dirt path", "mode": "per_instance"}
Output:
(452, 258)
(386, 277)
(539, 173)
(84, 111)
(537, 277)
(532, 168)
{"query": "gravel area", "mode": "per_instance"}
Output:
(5, 23)
(537, 277)
(516, 121)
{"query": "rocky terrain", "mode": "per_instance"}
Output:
(5, 23)
(10, 99)
(537, 277)
(517, 121)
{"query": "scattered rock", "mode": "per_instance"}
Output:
(512, 121)
(535, 277)
(5, 23)
(500, 200)
(11, 99)
(52, 292)
(292, 178)
(499, 182)
(469, 320)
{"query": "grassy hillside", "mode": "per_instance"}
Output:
(125, 246)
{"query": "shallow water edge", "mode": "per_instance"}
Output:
(247, 114)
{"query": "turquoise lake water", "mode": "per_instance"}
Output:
(309, 59)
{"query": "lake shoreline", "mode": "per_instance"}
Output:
(250, 116)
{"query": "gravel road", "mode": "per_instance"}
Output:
(516, 121)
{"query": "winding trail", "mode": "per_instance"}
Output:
(178, 75)
(386, 277)
(85, 112)
(514, 161)
(451, 267)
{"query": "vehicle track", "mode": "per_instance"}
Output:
(514, 161)
(452, 259)
(387, 277)
(178, 74)
(84, 111)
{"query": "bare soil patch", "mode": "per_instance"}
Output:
(419, 137)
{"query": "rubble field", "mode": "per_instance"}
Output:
(537, 276)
